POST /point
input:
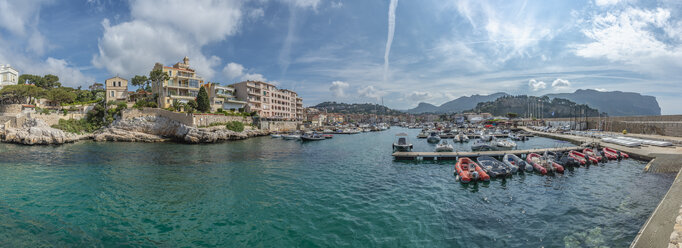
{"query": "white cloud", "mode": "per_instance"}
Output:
(606, 2)
(561, 83)
(419, 96)
(338, 4)
(256, 13)
(370, 92)
(165, 32)
(254, 77)
(389, 39)
(636, 37)
(338, 88)
(233, 70)
(305, 3)
(536, 85)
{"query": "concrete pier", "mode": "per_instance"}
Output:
(664, 226)
(455, 155)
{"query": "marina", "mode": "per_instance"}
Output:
(456, 155)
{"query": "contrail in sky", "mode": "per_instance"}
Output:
(391, 30)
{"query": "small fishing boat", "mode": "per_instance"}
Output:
(444, 147)
(422, 135)
(312, 137)
(494, 167)
(466, 170)
(401, 144)
(614, 154)
(486, 137)
(515, 162)
(276, 135)
(328, 136)
(480, 145)
(591, 154)
(518, 137)
(578, 156)
(461, 137)
(433, 138)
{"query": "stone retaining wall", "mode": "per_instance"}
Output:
(279, 126)
(667, 125)
(202, 120)
(53, 118)
(10, 109)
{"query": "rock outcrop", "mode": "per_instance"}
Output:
(159, 129)
(37, 132)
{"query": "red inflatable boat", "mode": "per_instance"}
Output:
(467, 170)
(578, 157)
(543, 164)
(593, 155)
(613, 154)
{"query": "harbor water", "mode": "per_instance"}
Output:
(346, 191)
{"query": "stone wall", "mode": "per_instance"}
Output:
(183, 118)
(202, 120)
(53, 118)
(668, 125)
(10, 109)
(279, 126)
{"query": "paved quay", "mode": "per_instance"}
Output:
(664, 226)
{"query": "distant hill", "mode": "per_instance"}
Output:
(355, 108)
(457, 105)
(614, 103)
(520, 106)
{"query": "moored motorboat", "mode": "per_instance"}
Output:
(593, 155)
(466, 170)
(291, 136)
(276, 135)
(494, 167)
(562, 159)
(312, 137)
(422, 135)
(503, 144)
(461, 137)
(553, 158)
(542, 164)
(433, 138)
(614, 154)
(480, 145)
(578, 156)
(401, 143)
(589, 159)
(444, 147)
(328, 136)
(515, 162)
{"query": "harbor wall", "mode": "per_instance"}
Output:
(666, 125)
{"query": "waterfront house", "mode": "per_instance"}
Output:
(116, 89)
(268, 101)
(183, 84)
(222, 97)
(8, 76)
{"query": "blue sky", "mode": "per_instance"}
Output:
(335, 50)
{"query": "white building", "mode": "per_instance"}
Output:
(8, 76)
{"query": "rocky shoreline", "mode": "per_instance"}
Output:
(139, 129)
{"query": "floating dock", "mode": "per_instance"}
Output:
(456, 155)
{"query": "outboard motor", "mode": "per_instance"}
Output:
(619, 156)
(474, 176)
(603, 156)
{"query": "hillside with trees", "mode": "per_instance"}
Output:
(355, 108)
(524, 106)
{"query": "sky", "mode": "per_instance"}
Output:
(399, 52)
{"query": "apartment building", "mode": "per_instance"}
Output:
(8, 76)
(222, 97)
(116, 89)
(183, 84)
(268, 101)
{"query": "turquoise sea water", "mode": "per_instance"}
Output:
(266, 192)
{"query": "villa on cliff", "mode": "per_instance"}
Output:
(182, 85)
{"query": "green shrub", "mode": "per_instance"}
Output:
(236, 126)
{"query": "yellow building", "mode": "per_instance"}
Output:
(183, 84)
(222, 97)
(116, 89)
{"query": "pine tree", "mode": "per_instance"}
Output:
(204, 105)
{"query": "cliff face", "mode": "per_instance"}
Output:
(37, 132)
(160, 129)
(614, 103)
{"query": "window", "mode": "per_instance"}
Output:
(119, 83)
(170, 73)
(111, 93)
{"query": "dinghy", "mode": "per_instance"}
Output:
(516, 162)
(467, 170)
(493, 167)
